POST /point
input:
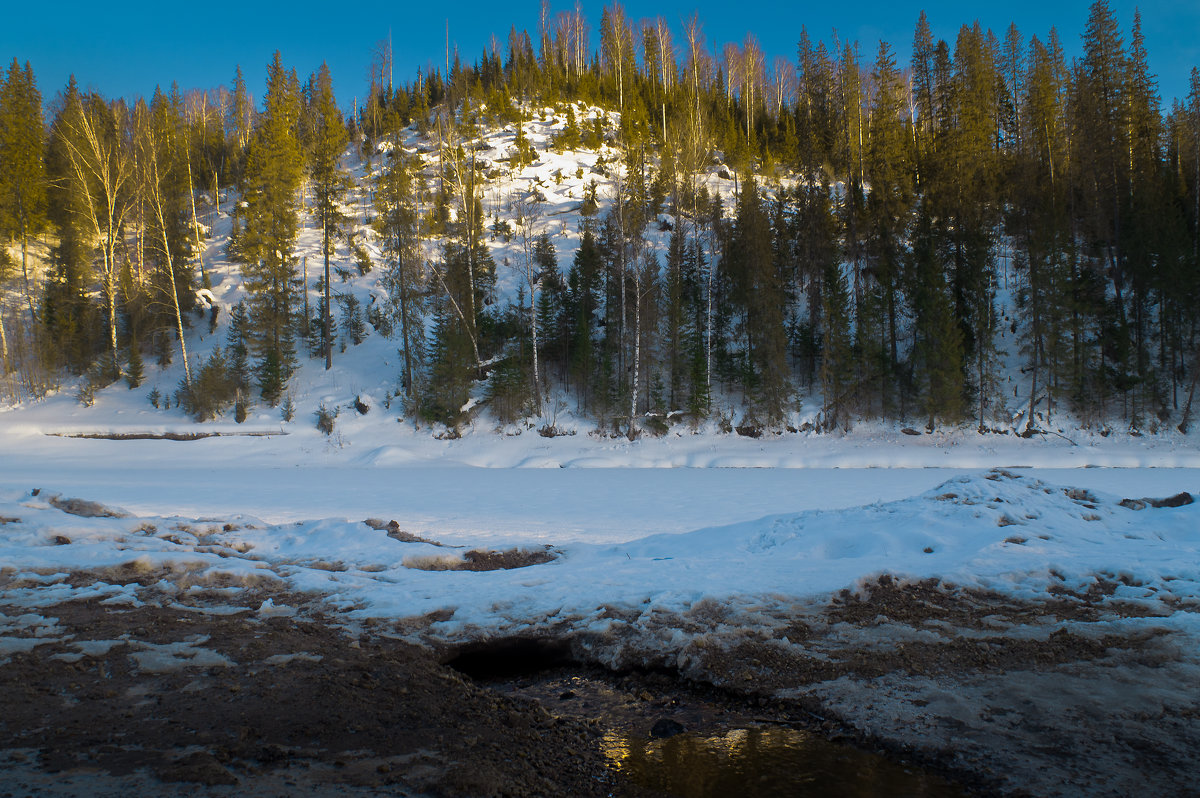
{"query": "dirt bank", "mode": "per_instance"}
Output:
(260, 690)
(159, 699)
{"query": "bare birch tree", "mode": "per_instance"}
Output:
(151, 182)
(527, 207)
(100, 171)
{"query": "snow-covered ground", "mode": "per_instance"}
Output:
(1001, 531)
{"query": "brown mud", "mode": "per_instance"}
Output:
(258, 690)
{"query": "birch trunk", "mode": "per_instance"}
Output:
(156, 203)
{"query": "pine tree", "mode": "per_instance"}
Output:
(889, 203)
(396, 222)
(969, 204)
(268, 238)
(583, 307)
(1099, 128)
(327, 142)
(444, 396)
(354, 325)
(938, 351)
(923, 51)
(758, 291)
(837, 366)
(67, 313)
(135, 371)
(1147, 208)
(237, 350)
(23, 178)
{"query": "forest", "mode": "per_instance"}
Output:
(897, 240)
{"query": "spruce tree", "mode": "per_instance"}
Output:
(758, 291)
(327, 142)
(397, 224)
(268, 238)
(889, 205)
(584, 305)
(23, 177)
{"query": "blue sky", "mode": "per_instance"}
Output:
(127, 49)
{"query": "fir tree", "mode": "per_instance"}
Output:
(888, 205)
(583, 305)
(237, 351)
(327, 142)
(23, 178)
(268, 238)
(758, 290)
(397, 223)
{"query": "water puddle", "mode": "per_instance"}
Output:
(672, 741)
(766, 761)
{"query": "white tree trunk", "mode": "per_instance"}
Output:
(637, 348)
(3, 342)
(533, 323)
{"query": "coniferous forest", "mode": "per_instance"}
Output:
(897, 236)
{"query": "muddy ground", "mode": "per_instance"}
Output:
(262, 692)
(244, 703)
(1081, 695)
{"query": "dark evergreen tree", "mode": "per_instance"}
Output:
(267, 241)
(397, 223)
(327, 142)
(584, 282)
(23, 177)
(758, 291)
(888, 208)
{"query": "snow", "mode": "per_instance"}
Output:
(1000, 530)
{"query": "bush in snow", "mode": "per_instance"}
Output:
(508, 390)
(134, 371)
(287, 410)
(362, 259)
(212, 391)
(354, 326)
(326, 419)
(103, 373)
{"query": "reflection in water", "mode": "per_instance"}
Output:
(764, 761)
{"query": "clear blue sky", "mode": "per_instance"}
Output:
(126, 49)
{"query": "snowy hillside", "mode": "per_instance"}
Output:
(362, 390)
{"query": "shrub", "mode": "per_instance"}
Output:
(326, 418)
(103, 373)
(213, 389)
(354, 326)
(508, 391)
(134, 370)
(362, 259)
(288, 410)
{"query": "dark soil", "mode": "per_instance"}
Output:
(371, 712)
(1083, 693)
